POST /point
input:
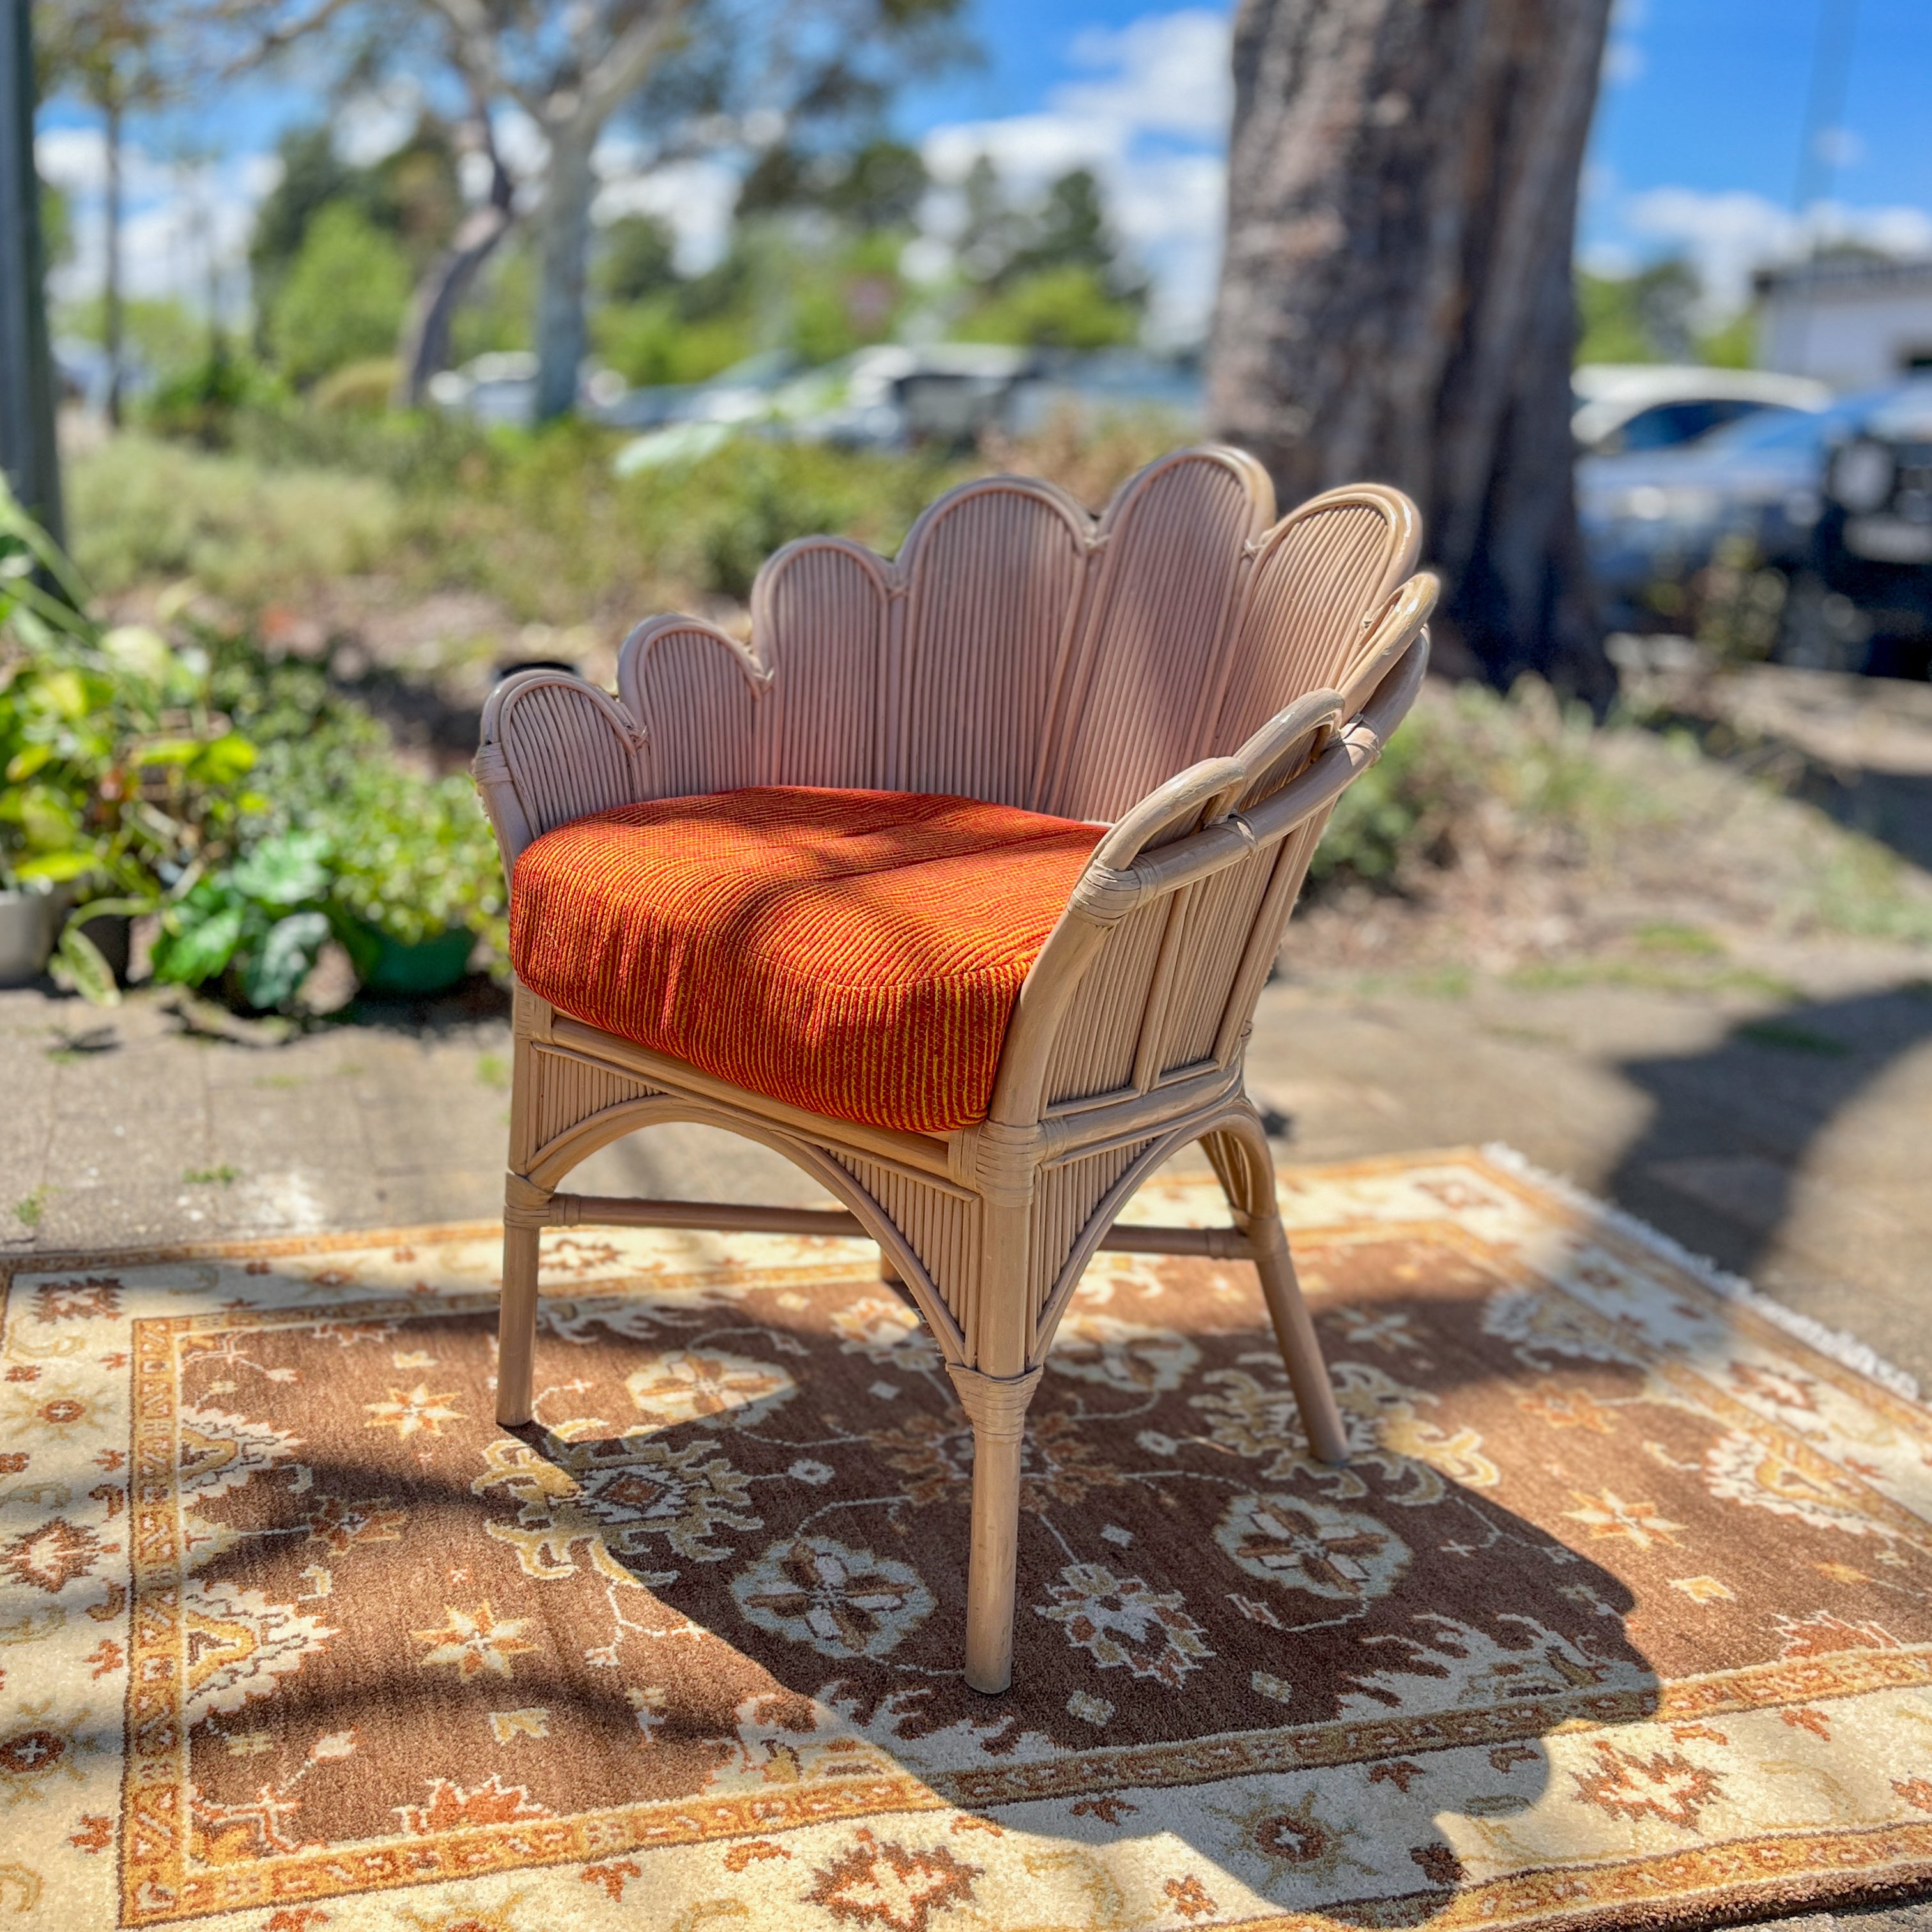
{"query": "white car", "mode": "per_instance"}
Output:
(1622, 407)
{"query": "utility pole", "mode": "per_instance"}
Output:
(27, 448)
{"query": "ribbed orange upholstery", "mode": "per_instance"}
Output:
(855, 952)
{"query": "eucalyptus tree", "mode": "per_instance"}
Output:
(645, 83)
(1397, 298)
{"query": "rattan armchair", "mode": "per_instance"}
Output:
(1197, 678)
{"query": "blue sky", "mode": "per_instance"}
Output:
(1696, 147)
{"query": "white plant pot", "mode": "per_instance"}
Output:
(26, 937)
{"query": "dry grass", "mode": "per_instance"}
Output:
(1504, 835)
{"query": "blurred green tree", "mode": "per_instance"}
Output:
(343, 296)
(1054, 308)
(1054, 275)
(879, 185)
(411, 193)
(1652, 316)
(687, 75)
(1648, 316)
(637, 257)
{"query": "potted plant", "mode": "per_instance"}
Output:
(26, 934)
(416, 877)
(249, 807)
(122, 778)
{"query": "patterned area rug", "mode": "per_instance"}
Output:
(1621, 1614)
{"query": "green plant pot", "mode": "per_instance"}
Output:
(432, 966)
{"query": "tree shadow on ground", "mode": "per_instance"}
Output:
(1733, 1126)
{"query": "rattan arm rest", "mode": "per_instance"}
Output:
(1132, 870)
(1109, 893)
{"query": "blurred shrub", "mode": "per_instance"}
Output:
(200, 403)
(1067, 307)
(1090, 460)
(1473, 779)
(357, 388)
(141, 509)
(714, 522)
(163, 335)
(343, 297)
(650, 341)
(498, 312)
(425, 448)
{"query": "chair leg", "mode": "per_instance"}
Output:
(997, 1405)
(1295, 1334)
(1241, 1158)
(523, 1206)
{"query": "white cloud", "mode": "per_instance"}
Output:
(1169, 75)
(75, 160)
(1726, 235)
(520, 142)
(1151, 119)
(1614, 259)
(1623, 62)
(185, 228)
(371, 127)
(695, 198)
(1838, 147)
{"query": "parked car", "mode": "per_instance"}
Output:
(500, 387)
(1874, 535)
(1625, 407)
(1655, 516)
(1839, 500)
(894, 394)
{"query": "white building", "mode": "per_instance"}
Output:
(1853, 322)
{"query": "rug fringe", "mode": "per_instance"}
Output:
(1835, 1342)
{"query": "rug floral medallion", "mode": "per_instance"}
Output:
(1621, 1614)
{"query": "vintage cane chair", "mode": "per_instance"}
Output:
(1190, 682)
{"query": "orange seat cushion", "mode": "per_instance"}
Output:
(855, 952)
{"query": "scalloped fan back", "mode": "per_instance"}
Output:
(1017, 652)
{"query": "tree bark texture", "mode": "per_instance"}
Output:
(561, 331)
(1397, 302)
(424, 350)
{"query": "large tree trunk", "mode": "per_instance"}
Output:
(568, 184)
(110, 318)
(1397, 302)
(423, 349)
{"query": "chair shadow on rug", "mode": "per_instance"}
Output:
(828, 1584)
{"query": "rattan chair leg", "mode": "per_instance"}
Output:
(524, 1208)
(997, 1405)
(517, 1327)
(1245, 1165)
(1300, 1352)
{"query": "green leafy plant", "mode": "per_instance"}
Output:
(252, 808)
(124, 782)
(412, 859)
(262, 919)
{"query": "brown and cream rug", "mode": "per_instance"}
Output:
(1621, 1614)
